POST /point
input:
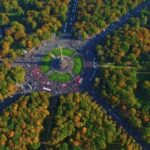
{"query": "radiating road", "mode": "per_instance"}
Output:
(71, 17)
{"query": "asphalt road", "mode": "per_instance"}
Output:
(8, 101)
(90, 73)
(71, 17)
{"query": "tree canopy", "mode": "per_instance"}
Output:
(82, 124)
(25, 23)
(10, 77)
(22, 122)
(95, 15)
(124, 60)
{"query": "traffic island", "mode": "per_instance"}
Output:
(61, 65)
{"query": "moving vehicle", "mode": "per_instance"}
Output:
(47, 89)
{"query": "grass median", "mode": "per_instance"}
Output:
(78, 65)
(60, 77)
(65, 52)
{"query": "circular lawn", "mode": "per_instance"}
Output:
(74, 65)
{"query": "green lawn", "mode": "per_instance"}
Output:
(60, 77)
(45, 64)
(78, 65)
(66, 52)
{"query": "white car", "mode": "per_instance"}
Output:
(29, 86)
(64, 85)
(24, 51)
(94, 66)
(80, 80)
(47, 89)
(48, 83)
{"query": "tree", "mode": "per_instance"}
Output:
(146, 134)
(3, 19)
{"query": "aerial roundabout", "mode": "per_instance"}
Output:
(61, 64)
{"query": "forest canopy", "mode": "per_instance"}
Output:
(25, 23)
(10, 77)
(81, 124)
(22, 122)
(94, 16)
(124, 59)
